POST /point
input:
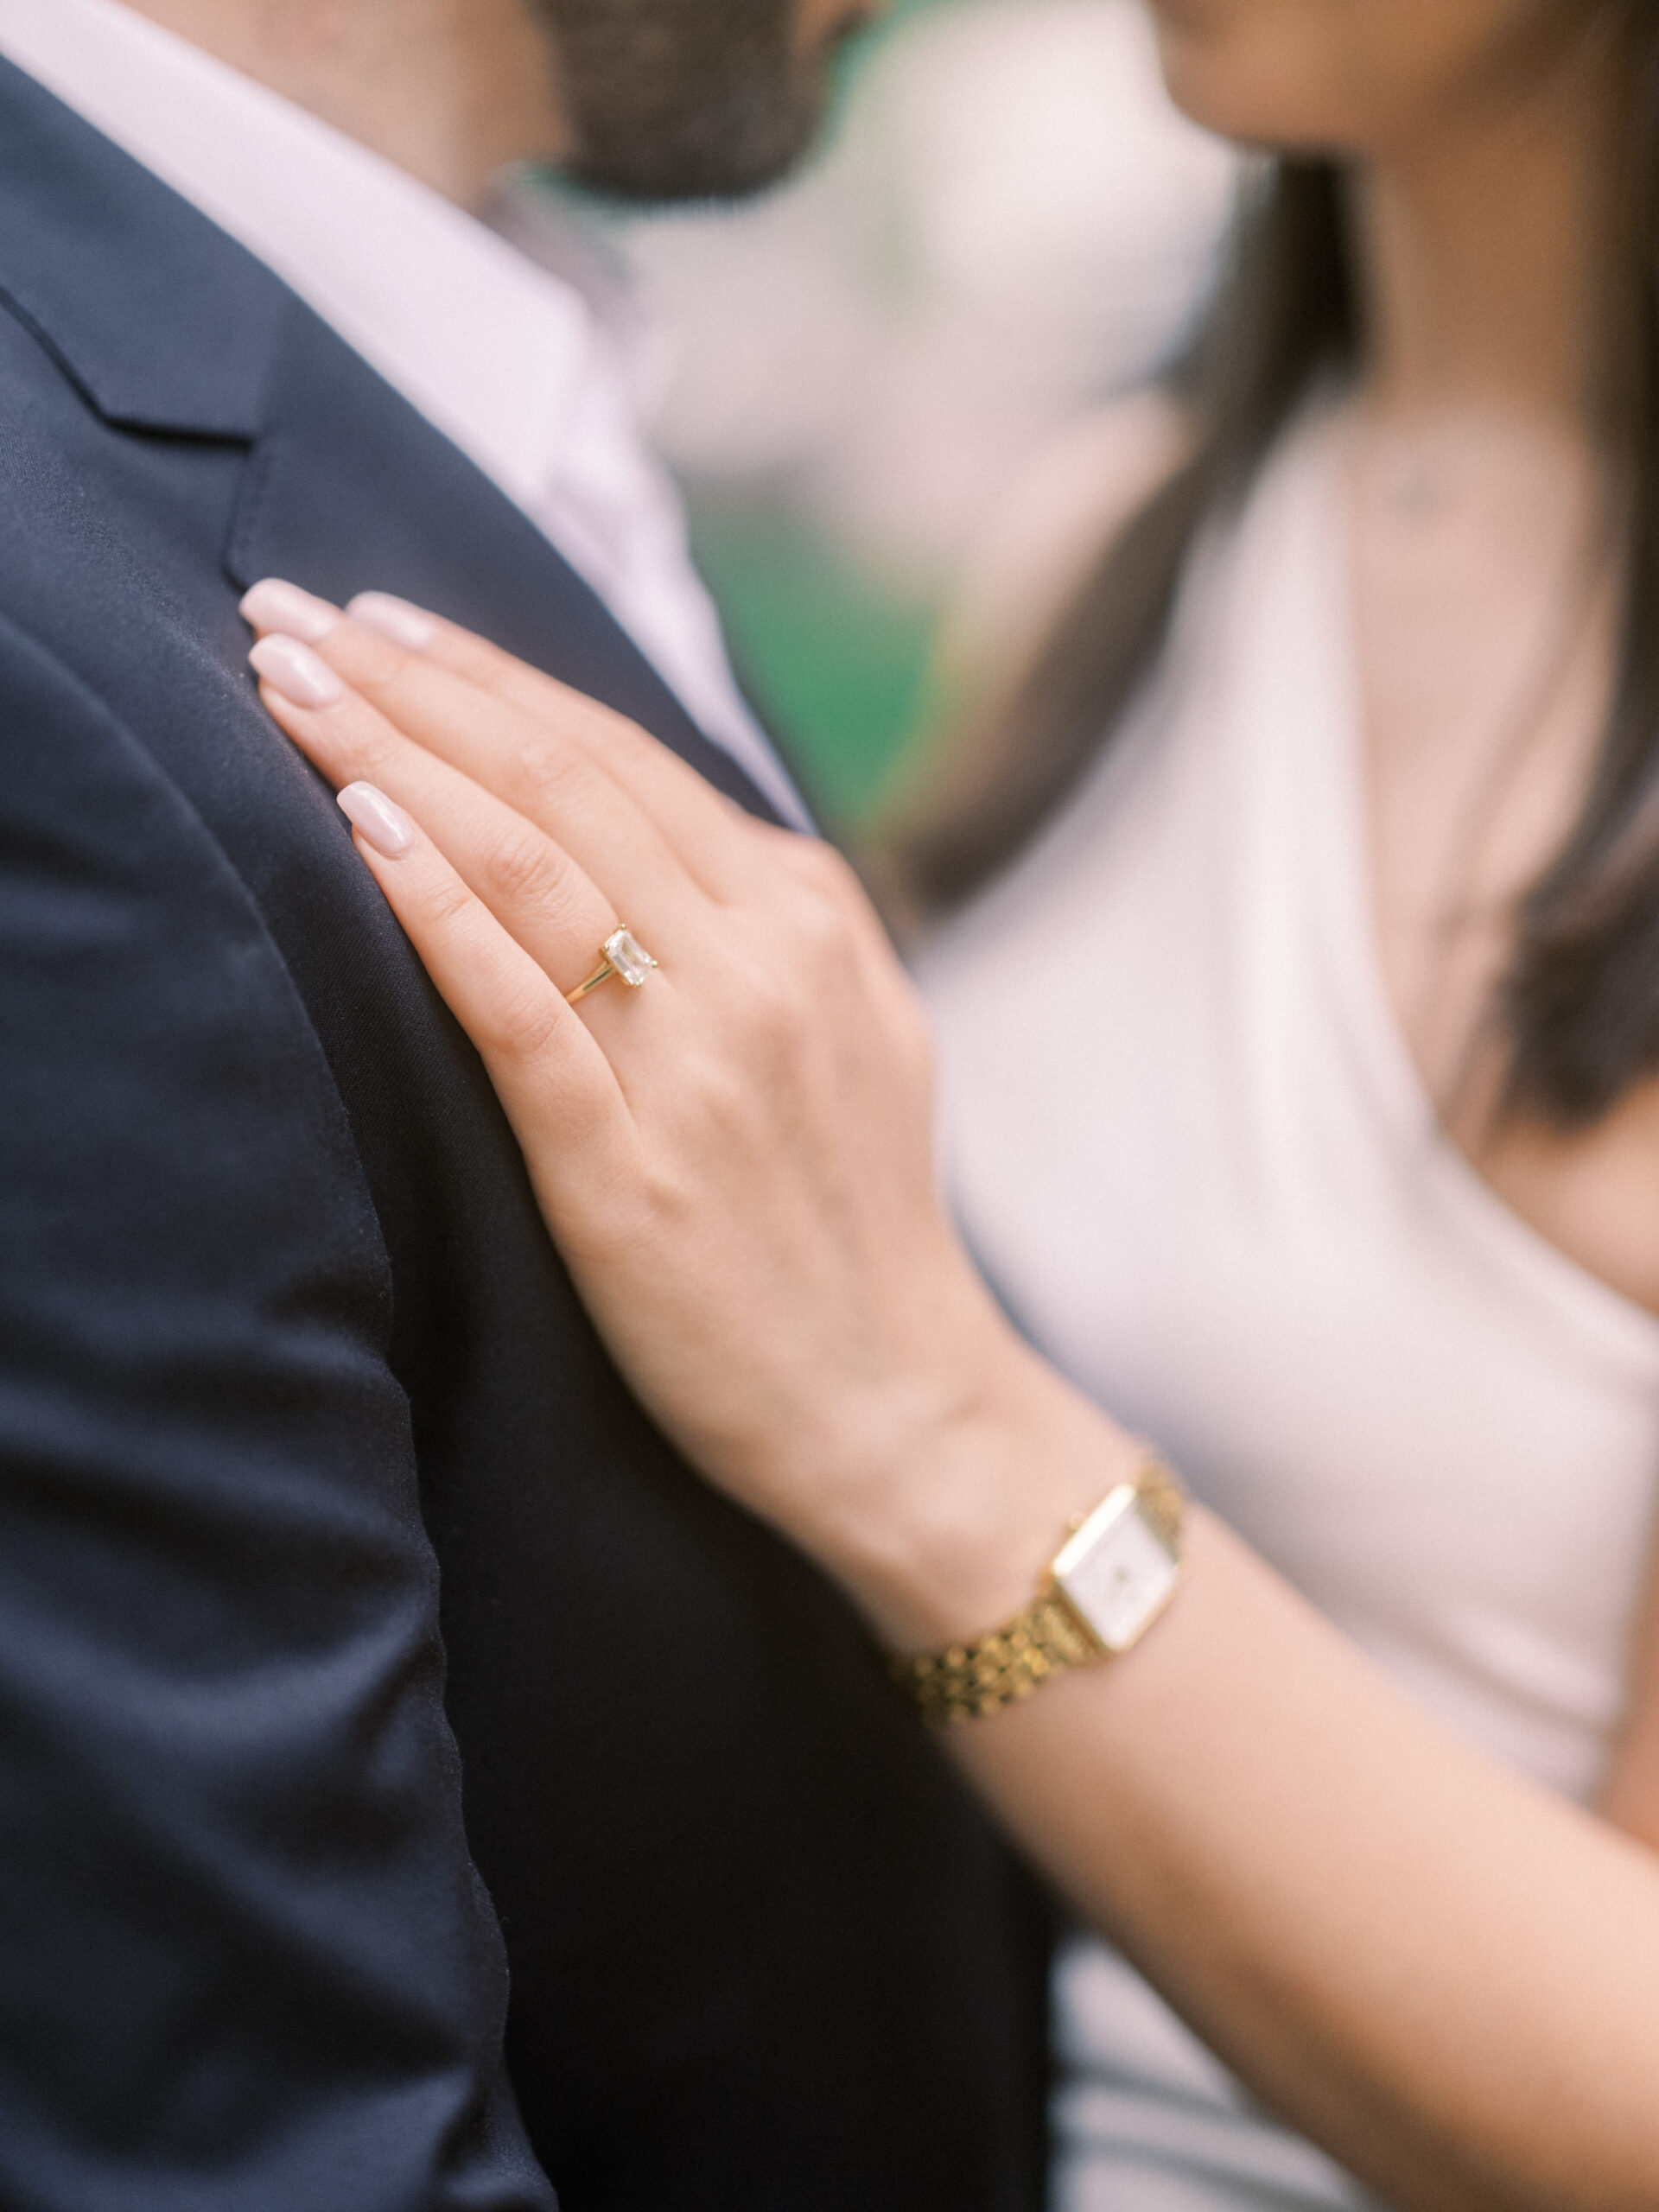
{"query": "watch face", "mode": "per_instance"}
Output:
(1118, 1573)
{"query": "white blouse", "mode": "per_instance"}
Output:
(1192, 1150)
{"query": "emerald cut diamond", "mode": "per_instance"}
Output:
(631, 962)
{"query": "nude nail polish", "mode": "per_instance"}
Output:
(395, 619)
(385, 825)
(296, 671)
(273, 604)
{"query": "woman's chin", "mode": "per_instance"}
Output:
(1248, 100)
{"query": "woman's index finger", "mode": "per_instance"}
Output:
(704, 827)
(547, 773)
(550, 1073)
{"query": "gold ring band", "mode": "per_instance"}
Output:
(621, 955)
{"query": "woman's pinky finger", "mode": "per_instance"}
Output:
(552, 1077)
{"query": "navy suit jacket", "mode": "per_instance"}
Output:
(359, 1636)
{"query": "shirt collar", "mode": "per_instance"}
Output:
(505, 357)
(493, 350)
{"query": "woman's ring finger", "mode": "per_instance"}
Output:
(621, 958)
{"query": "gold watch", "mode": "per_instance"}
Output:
(1115, 1574)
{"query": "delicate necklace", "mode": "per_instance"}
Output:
(1416, 490)
(1417, 479)
(1421, 481)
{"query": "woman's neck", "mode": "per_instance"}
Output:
(1483, 248)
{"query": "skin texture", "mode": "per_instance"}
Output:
(1439, 1970)
(450, 90)
(711, 97)
(664, 98)
(1484, 565)
(1483, 554)
(1372, 82)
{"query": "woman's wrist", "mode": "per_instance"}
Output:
(951, 1535)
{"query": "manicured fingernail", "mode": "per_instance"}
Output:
(387, 828)
(295, 671)
(393, 617)
(274, 605)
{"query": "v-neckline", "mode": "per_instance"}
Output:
(1346, 903)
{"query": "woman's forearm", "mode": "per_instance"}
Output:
(1445, 1975)
(1448, 1976)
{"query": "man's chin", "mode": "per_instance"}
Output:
(828, 28)
(696, 100)
(733, 156)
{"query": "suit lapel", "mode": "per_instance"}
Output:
(164, 321)
(168, 325)
(350, 489)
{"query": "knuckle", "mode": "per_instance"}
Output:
(826, 868)
(522, 1028)
(714, 1094)
(449, 901)
(522, 868)
(550, 771)
(775, 1024)
(826, 876)
(760, 984)
(371, 663)
(821, 945)
(666, 1195)
(377, 662)
(823, 927)
(370, 747)
(643, 1215)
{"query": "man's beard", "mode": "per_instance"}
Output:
(685, 99)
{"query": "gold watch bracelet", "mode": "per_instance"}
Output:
(964, 1681)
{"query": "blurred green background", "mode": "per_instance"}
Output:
(851, 378)
(836, 659)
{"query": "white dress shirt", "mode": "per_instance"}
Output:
(503, 356)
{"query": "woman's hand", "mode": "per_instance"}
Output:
(1444, 1973)
(735, 1158)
